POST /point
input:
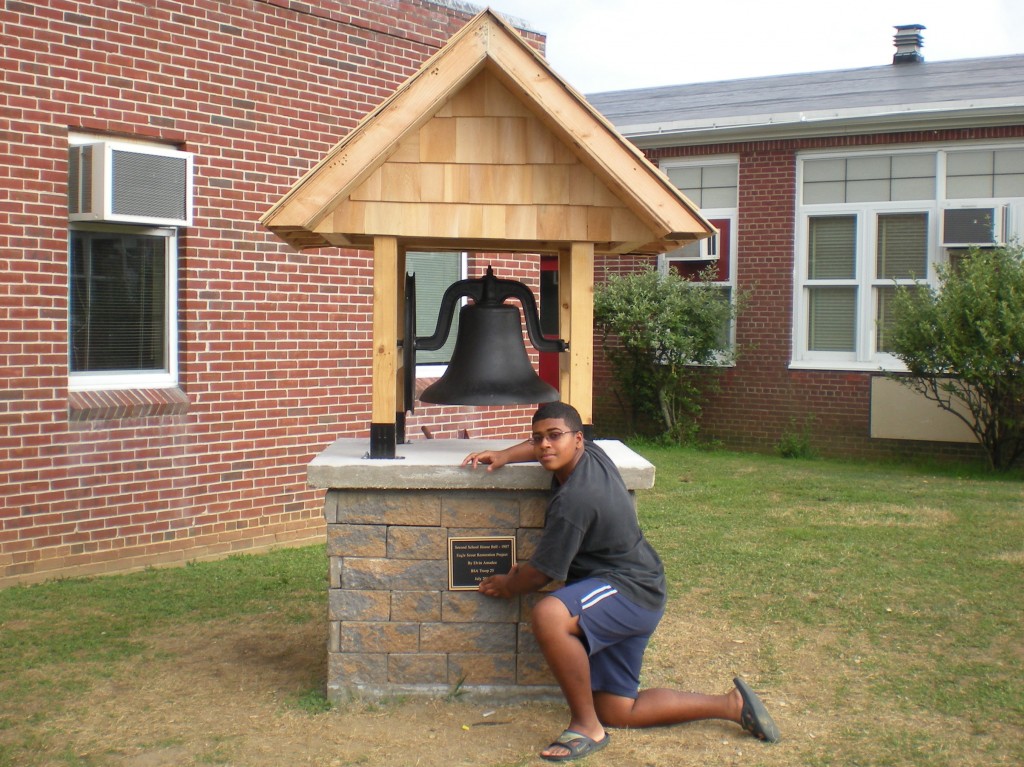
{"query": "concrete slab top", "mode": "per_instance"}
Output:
(436, 464)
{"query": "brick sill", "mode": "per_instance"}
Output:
(114, 404)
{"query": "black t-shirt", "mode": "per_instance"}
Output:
(591, 531)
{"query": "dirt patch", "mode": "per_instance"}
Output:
(227, 694)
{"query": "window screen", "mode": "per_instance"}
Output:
(902, 248)
(832, 319)
(832, 248)
(883, 316)
(118, 302)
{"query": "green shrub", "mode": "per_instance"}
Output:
(663, 335)
(963, 346)
(795, 442)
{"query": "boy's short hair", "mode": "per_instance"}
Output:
(562, 410)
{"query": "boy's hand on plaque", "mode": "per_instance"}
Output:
(497, 585)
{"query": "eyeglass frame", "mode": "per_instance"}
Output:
(551, 436)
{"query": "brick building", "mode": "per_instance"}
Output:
(828, 189)
(184, 433)
(188, 436)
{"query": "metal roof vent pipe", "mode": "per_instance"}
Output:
(908, 42)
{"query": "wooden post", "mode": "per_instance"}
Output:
(564, 319)
(576, 315)
(385, 347)
(401, 406)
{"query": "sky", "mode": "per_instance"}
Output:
(605, 45)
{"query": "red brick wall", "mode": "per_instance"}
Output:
(761, 398)
(275, 344)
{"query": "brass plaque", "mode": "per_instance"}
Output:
(470, 560)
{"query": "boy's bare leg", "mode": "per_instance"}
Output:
(558, 635)
(659, 706)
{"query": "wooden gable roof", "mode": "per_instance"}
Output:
(485, 148)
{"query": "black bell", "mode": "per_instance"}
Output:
(489, 365)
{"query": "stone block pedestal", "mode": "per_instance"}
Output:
(395, 628)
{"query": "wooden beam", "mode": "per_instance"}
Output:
(564, 319)
(385, 329)
(475, 222)
(401, 406)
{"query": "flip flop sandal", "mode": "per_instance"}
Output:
(579, 746)
(755, 718)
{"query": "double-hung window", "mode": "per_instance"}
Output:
(847, 296)
(901, 258)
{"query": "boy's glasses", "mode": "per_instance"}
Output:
(551, 436)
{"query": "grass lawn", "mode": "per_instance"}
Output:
(908, 584)
(881, 608)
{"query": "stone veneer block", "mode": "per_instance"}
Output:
(333, 639)
(334, 567)
(526, 642)
(391, 574)
(420, 606)
(480, 509)
(526, 543)
(349, 669)
(417, 543)
(532, 509)
(532, 669)
(357, 540)
(468, 637)
(351, 605)
(418, 668)
(482, 668)
(478, 532)
(379, 636)
(470, 607)
(396, 507)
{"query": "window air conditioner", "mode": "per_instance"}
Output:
(701, 250)
(980, 227)
(129, 183)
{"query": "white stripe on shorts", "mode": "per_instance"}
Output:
(597, 595)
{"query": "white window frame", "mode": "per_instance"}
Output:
(131, 379)
(865, 355)
(716, 214)
(730, 214)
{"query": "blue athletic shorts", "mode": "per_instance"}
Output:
(615, 633)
